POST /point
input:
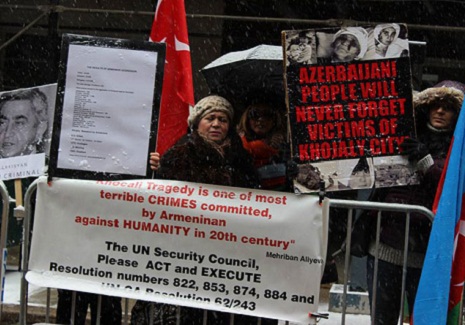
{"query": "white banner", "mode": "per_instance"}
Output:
(230, 249)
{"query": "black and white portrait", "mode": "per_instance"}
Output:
(26, 117)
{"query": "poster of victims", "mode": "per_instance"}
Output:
(349, 98)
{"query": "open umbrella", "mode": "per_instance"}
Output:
(244, 75)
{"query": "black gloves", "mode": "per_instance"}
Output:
(414, 149)
(292, 169)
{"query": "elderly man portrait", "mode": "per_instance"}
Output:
(23, 123)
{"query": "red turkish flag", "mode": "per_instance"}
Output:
(170, 27)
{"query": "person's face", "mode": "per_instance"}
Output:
(18, 128)
(294, 52)
(261, 120)
(387, 35)
(441, 118)
(214, 126)
(304, 40)
(359, 179)
(346, 48)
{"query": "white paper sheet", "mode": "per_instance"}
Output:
(107, 110)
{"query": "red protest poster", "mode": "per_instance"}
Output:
(349, 97)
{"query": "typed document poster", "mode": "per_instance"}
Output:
(109, 97)
(99, 95)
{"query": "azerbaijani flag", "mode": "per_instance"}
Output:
(170, 27)
(439, 295)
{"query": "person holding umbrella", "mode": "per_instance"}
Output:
(263, 136)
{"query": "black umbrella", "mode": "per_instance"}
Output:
(244, 76)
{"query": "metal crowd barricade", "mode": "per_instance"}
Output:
(350, 205)
(25, 266)
(27, 228)
(379, 207)
(25, 259)
(3, 239)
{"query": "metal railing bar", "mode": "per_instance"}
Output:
(25, 259)
(347, 265)
(404, 266)
(312, 22)
(375, 268)
(3, 240)
(394, 207)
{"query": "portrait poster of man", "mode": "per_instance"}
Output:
(106, 117)
(349, 95)
(26, 119)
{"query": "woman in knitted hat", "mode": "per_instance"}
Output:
(436, 113)
(211, 153)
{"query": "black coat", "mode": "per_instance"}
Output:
(423, 194)
(193, 159)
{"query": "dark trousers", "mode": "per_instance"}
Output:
(388, 291)
(110, 314)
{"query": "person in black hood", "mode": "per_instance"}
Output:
(436, 111)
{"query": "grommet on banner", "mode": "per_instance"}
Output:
(322, 192)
